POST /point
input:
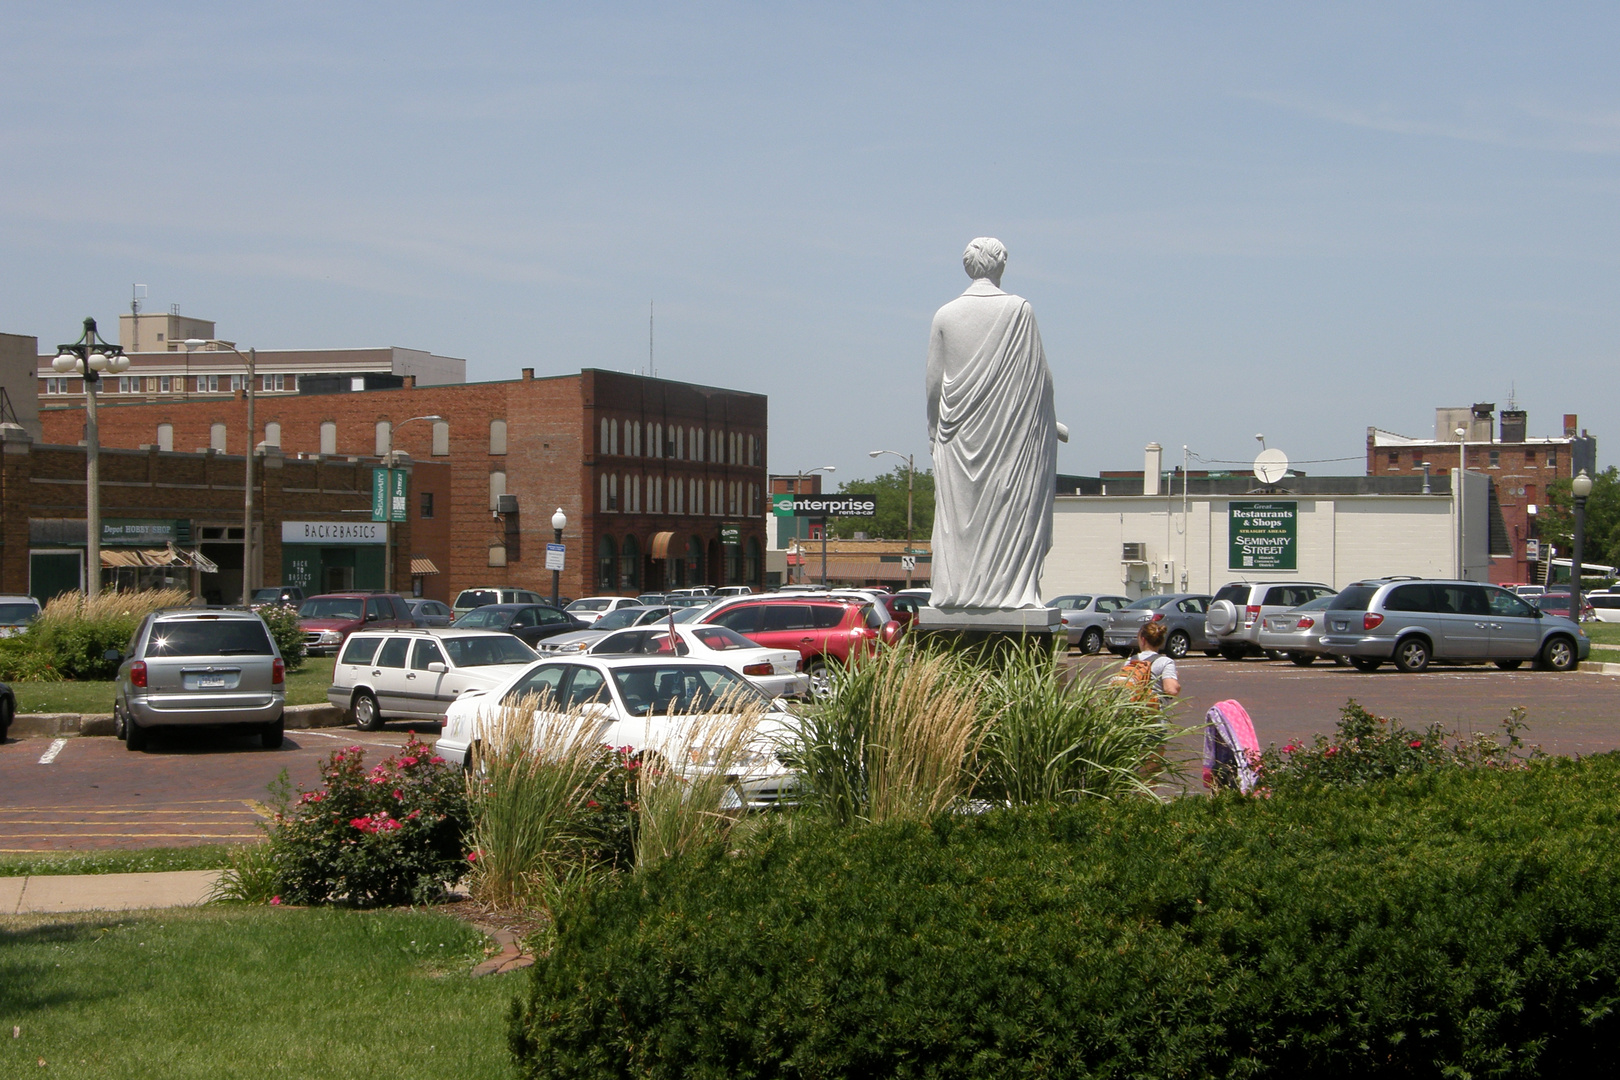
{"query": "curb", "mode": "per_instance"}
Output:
(1596, 668)
(58, 725)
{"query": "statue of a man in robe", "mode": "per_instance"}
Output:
(994, 435)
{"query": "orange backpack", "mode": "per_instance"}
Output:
(1137, 677)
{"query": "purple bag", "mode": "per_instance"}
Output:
(1231, 750)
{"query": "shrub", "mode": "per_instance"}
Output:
(681, 811)
(1445, 923)
(282, 619)
(74, 632)
(22, 661)
(390, 834)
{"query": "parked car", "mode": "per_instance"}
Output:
(16, 612)
(734, 590)
(468, 599)
(697, 590)
(1085, 618)
(1235, 615)
(903, 609)
(1530, 591)
(430, 613)
(1182, 614)
(777, 672)
(291, 595)
(590, 608)
(1297, 633)
(416, 674)
(1605, 606)
(1412, 622)
(651, 599)
(1557, 603)
(190, 667)
(577, 641)
(824, 630)
(327, 620)
(530, 623)
(646, 704)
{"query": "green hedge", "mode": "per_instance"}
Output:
(1462, 923)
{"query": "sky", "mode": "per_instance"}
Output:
(1289, 220)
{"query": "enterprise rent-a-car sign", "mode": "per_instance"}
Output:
(824, 506)
(1263, 535)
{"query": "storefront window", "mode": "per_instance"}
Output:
(606, 557)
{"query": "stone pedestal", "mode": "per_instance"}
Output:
(989, 631)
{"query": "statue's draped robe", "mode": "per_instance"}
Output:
(993, 431)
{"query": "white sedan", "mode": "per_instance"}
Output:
(643, 703)
(775, 671)
(591, 608)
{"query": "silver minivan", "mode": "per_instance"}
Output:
(1240, 608)
(1413, 621)
(187, 667)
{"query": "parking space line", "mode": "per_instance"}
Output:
(55, 748)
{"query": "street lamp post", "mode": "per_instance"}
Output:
(1580, 487)
(559, 521)
(247, 484)
(1462, 487)
(911, 484)
(90, 356)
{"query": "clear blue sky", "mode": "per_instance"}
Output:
(1291, 219)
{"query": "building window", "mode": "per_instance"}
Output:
(630, 565)
(238, 382)
(441, 438)
(680, 444)
(165, 384)
(56, 386)
(165, 436)
(497, 488)
(427, 505)
(328, 437)
(606, 559)
(1552, 463)
(357, 384)
(207, 384)
(658, 440)
(613, 493)
(601, 503)
(602, 445)
(272, 434)
(497, 436)
(1394, 459)
(1496, 463)
(385, 437)
(216, 437)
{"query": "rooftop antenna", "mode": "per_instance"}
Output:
(1513, 397)
(137, 293)
(652, 372)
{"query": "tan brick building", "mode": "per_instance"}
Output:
(663, 483)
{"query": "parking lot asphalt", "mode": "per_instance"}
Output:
(85, 793)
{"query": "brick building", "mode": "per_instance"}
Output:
(1519, 466)
(663, 483)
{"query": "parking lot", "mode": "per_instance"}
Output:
(83, 793)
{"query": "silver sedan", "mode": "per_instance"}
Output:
(1297, 633)
(1085, 617)
(1182, 614)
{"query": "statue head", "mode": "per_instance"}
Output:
(985, 257)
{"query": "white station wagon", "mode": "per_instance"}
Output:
(416, 674)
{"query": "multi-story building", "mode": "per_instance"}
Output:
(663, 483)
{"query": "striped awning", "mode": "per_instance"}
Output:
(169, 556)
(660, 545)
(422, 567)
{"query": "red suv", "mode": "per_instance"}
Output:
(328, 619)
(823, 629)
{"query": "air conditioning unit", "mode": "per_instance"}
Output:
(506, 504)
(1134, 553)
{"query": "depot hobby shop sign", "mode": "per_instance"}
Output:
(823, 506)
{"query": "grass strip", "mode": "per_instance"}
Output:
(140, 861)
(220, 993)
(306, 686)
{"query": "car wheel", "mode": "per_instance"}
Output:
(1412, 655)
(1365, 663)
(1302, 659)
(1559, 655)
(134, 735)
(366, 716)
(820, 680)
(118, 722)
(1234, 654)
(1091, 641)
(1176, 646)
(271, 736)
(1509, 665)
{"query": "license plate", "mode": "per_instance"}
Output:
(210, 682)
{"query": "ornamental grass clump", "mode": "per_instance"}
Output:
(685, 797)
(74, 632)
(393, 833)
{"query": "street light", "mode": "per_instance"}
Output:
(911, 483)
(559, 522)
(247, 483)
(1580, 487)
(797, 491)
(90, 356)
(1462, 487)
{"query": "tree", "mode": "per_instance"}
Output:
(890, 522)
(1602, 533)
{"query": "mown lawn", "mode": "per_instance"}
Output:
(218, 993)
(306, 686)
(136, 861)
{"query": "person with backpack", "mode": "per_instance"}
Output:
(1150, 668)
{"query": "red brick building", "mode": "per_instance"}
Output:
(663, 483)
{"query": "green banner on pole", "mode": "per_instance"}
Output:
(379, 494)
(398, 492)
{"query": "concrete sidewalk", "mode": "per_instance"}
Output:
(104, 892)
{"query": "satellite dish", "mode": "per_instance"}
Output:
(1271, 466)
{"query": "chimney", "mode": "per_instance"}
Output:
(1515, 422)
(528, 374)
(410, 382)
(1571, 425)
(1151, 464)
(1480, 426)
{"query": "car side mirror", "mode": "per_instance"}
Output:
(1536, 612)
(437, 667)
(113, 656)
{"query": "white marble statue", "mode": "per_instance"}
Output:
(994, 435)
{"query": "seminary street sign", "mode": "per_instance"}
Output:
(817, 506)
(1263, 535)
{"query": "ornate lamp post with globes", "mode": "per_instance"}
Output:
(90, 356)
(559, 522)
(1580, 487)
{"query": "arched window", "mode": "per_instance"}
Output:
(613, 492)
(385, 437)
(328, 438)
(630, 565)
(602, 504)
(658, 440)
(603, 448)
(165, 436)
(497, 488)
(216, 437)
(606, 562)
(441, 438)
(497, 436)
(680, 444)
(697, 444)
(272, 434)
(613, 437)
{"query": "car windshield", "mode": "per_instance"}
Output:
(266, 596)
(484, 651)
(616, 620)
(477, 598)
(1148, 602)
(594, 604)
(17, 614)
(331, 607)
(1319, 604)
(1353, 598)
(657, 690)
(209, 637)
